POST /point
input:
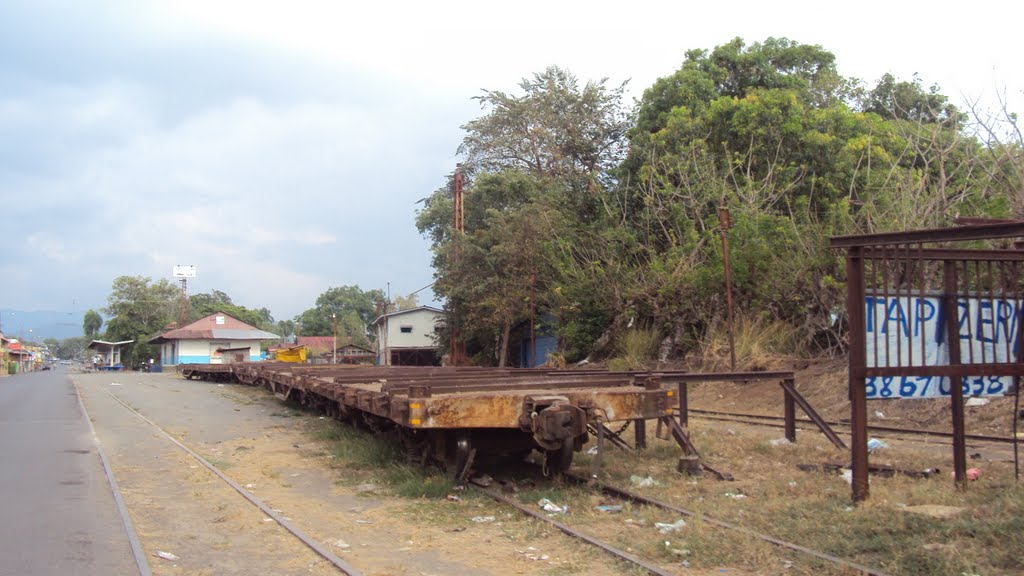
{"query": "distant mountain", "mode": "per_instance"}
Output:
(38, 325)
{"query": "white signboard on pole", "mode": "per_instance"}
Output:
(184, 271)
(911, 331)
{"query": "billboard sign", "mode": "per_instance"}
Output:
(184, 271)
(904, 331)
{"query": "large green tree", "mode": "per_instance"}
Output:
(91, 324)
(354, 309)
(138, 309)
(485, 273)
(71, 348)
(557, 130)
(797, 153)
(542, 161)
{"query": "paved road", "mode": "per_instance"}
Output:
(57, 513)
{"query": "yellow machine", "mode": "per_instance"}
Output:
(295, 354)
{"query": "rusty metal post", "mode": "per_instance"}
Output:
(1016, 417)
(460, 213)
(533, 331)
(640, 425)
(1016, 393)
(789, 405)
(725, 224)
(640, 431)
(857, 373)
(684, 404)
(949, 302)
(459, 226)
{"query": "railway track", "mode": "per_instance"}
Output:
(778, 422)
(624, 495)
(342, 566)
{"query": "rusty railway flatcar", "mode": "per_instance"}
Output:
(453, 415)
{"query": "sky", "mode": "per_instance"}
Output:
(281, 147)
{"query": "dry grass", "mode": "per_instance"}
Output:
(760, 344)
(813, 509)
(634, 349)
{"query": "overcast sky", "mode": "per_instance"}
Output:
(281, 147)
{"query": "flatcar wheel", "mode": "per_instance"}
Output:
(558, 461)
(462, 454)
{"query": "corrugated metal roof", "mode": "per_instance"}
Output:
(238, 334)
(217, 326)
(95, 344)
(400, 312)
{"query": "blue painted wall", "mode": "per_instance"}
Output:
(545, 346)
(206, 359)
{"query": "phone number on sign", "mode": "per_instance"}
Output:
(933, 386)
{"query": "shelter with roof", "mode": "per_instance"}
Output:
(214, 339)
(109, 353)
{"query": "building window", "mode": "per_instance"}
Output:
(406, 329)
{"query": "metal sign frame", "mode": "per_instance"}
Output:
(899, 265)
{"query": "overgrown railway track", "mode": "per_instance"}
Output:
(778, 422)
(650, 567)
(342, 566)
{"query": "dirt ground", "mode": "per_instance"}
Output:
(267, 447)
(178, 506)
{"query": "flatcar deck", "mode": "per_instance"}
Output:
(448, 413)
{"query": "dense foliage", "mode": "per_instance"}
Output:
(204, 304)
(138, 309)
(609, 220)
(352, 308)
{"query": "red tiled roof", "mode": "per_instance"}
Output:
(207, 328)
(317, 344)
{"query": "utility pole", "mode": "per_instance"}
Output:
(334, 318)
(183, 315)
(184, 272)
(460, 228)
(725, 224)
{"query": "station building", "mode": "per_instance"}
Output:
(214, 339)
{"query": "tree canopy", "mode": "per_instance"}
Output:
(91, 324)
(616, 215)
(138, 309)
(353, 308)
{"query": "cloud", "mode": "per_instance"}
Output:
(282, 149)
